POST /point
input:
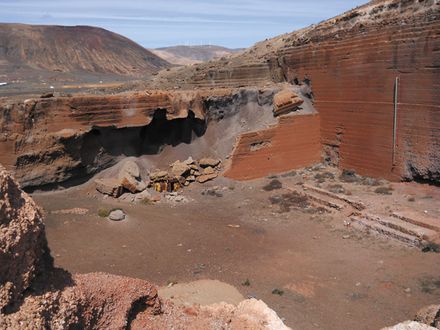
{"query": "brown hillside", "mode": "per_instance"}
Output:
(184, 55)
(73, 49)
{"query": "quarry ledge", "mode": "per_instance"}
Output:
(65, 140)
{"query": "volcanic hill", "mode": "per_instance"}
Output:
(73, 49)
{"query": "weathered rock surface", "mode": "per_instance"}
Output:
(180, 169)
(249, 314)
(286, 101)
(336, 58)
(293, 143)
(23, 246)
(429, 315)
(410, 325)
(206, 177)
(130, 177)
(116, 215)
(46, 141)
(111, 187)
(208, 170)
(205, 162)
(158, 175)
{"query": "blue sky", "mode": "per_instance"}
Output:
(161, 23)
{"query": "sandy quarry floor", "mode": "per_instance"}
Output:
(330, 275)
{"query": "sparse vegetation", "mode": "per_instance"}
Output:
(371, 181)
(273, 185)
(147, 201)
(431, 247)
(246, 283)
(286, 201)
(103, 213)
(288, 174)
(321, 177)
(384, 190)
(278, 291)
(348, 176)
(430, 284)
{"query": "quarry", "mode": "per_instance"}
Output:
(290, 185)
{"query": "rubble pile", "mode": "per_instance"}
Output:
(129, 185)
(183, 173)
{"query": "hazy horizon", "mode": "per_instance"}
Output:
(188, 22)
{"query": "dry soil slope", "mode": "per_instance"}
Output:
(74, 49)
(185, 55)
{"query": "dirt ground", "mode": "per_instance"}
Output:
(314, 271)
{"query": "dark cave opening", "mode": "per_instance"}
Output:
(145, 140)
(101, 147)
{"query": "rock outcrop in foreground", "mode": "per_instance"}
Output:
(23, 246)
(35, 295)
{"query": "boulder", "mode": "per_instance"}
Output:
(286, 101)
(158, 175)
(208, 170)
(429, 315)
(130, 177)
(410, 325)
(116, 215)
(142, 196)
(206, 177)
(111, 187)
(180, 169)
(127, 197)
(130, 168)
(132, 185)
(205, 162)
(191, 178)
(190, 161)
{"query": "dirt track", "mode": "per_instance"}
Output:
(328, 280)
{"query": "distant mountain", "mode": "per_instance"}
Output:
(184, 55)
(73, 49)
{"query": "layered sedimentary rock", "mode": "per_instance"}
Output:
(293, 143)
(352, 62)
(51, 140)
(286, 101)
(371, 73)
(354, 73)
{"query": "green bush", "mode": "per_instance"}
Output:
(103, 213)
